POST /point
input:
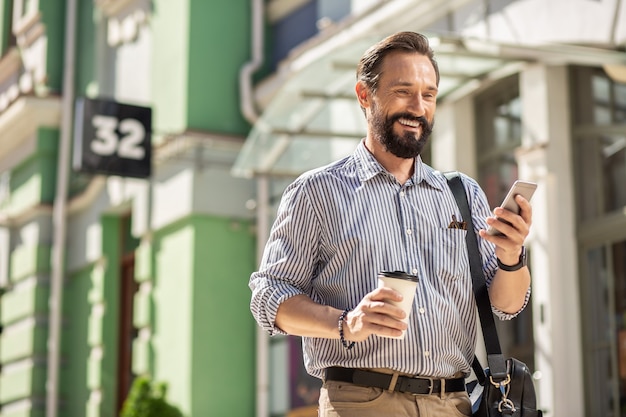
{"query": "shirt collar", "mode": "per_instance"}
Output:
(369, 167)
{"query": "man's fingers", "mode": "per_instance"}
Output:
(375, 316)
(385, 294)
(526, 210)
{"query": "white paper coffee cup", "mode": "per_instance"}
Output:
(405, 284)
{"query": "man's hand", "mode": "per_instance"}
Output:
(509, 288)
(509, 245)
(375, 315)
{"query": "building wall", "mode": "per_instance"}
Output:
(82, 291)
(24, 316)
(201, 289)
(5, 22)
(190, 221)
(53, 18)
(195, 70)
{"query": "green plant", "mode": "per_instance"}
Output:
(147, 399)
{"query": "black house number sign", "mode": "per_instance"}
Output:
(112, 138)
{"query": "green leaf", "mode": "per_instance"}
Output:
(147, 399)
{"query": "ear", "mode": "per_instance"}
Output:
(362, 94)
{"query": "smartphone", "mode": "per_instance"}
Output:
(525, 189)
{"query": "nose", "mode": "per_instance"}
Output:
(416, 105)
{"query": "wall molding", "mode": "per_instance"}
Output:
(125, 19)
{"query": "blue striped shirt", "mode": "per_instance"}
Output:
(339, 225)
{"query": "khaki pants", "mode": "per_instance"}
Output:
(341, 399)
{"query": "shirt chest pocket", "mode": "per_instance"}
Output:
(449, 254)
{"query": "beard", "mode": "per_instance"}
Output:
(407, 145)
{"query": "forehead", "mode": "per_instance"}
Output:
(407, 67)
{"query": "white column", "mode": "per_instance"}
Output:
(545, 157)
(453, 142)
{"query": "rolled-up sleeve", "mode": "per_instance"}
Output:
(289, 257)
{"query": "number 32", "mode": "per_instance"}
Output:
(107, 141)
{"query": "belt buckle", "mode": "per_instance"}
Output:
(431, 385)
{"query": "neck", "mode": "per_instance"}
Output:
(401, 168)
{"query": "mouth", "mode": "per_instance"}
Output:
(408, 123)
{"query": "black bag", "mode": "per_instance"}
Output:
(515, 396)
(506, 387)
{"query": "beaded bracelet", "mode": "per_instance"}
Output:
(340, 327)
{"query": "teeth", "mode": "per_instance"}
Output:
(409, 122)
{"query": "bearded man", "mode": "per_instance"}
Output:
(383, 209)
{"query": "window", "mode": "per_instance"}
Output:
(604, 291)
(600, 143)
(291, 30)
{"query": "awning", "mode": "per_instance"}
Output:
(314, 117)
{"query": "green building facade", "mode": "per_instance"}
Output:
(155, 270)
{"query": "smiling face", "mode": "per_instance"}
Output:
(400, 112)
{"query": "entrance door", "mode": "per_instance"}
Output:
(604, 289)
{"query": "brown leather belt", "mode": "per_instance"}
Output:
(413, 385)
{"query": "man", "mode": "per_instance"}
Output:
(379, 209)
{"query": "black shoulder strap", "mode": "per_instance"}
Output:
(495, 359)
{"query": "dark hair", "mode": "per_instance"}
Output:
(368, 70)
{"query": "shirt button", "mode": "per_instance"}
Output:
(427, 353)
(422, 310)
(402, 193)
(414, 271)
(409, 231)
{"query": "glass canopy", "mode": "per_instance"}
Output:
(314, 117)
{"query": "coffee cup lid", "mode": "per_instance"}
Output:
(400, 275)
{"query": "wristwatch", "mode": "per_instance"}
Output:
(519, 265)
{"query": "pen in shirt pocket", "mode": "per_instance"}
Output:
(455, 224)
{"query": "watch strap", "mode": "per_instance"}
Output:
(519, 265)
